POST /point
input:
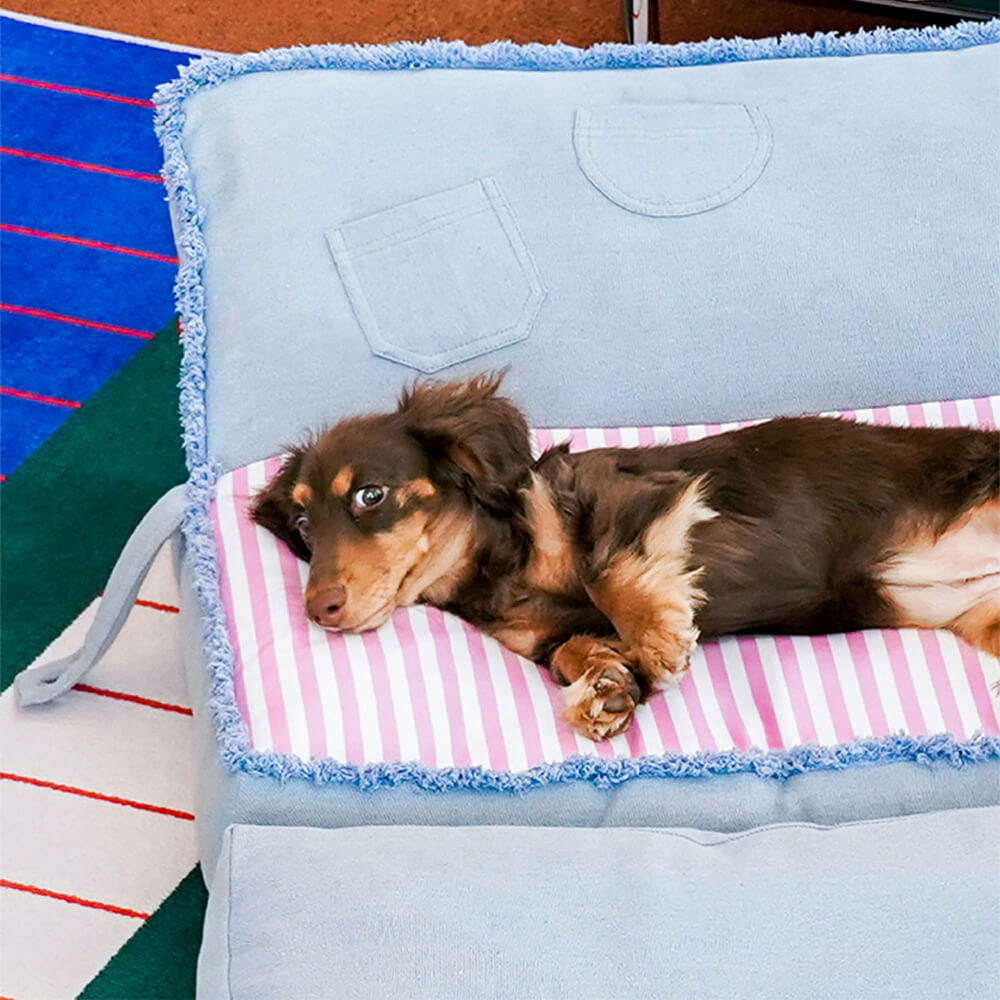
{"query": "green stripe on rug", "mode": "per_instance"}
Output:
(70, 506)
(159, 961)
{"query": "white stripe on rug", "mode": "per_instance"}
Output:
(127, 856)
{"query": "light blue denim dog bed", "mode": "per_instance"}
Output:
(649, 235)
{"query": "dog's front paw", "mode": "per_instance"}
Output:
(601, 702)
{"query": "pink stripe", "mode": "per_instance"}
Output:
(697, 712)
(724, 695)
(665, 723)
(306, 667)
(417, 686)
(759, 690)
(225, 591)
(487, 699)
(985, 701)
(915, 724)
(578, 440)
(880, 414)
(612, 437)
(931, 644)
(388, 729)
(678, 435)
(633, 736)
(842, 728)
(949, 413)
(544, 439)
(915, 414)
(712, 429)
(354, 747)
(984, 413)
(525, 708)
(866, 681)
(646, 437)
(567, 741)
(796, 689)
(449, 681)
(262, 625)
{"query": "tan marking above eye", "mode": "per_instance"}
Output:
(422, 488)
(342, 481)
(301, 494)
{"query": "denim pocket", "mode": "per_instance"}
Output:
(671, 159)
(441, 279)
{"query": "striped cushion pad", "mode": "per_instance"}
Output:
(428, 687)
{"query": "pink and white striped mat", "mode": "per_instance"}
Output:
(428, 687)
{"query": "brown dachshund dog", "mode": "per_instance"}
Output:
(607, 565)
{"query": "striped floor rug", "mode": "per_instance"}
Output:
(100, 895)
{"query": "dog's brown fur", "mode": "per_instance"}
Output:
(608, 565)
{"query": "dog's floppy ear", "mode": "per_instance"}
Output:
(476, 439)
(273, 508)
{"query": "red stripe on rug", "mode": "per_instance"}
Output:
(62, 161)
(71, 404)
(72, 790)
(61, 88)
(156, 606)
(125, 331)
(78, 900)
(134, 698)
(81, 242)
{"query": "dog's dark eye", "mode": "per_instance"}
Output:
(369, 496)
(302, 526)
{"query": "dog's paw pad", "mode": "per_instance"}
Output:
(601, 703)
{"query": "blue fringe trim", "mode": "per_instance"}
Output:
(234, 743)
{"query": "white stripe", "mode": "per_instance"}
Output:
(705, 690)
(472, 718)
(281, 639)
(77, 29)
(865, 416)
(228, 509)
(847, 672)
(922, 684)
(745, 705)
(444, 754)
(730, 426)
(561, 435)
(595, 438)
(955, 668)
(885, 680)
(696, 432)
(812, 684)
(399, 691)
(371, 734)
(967, 416)
(547, 732)
(995, 409)
(898, 417)
(630, 437)
(933, 416)
(662, 435)
(770, 661)
(330, 701)
(646, 722)
(687, 736)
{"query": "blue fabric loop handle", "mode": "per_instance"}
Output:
(50, 680)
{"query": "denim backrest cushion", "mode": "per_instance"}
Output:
(643, 246)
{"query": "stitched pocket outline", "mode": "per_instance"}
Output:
(441, 279)
(671, 159)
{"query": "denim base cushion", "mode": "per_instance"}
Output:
(905, 908)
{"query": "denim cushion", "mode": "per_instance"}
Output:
(905, 907)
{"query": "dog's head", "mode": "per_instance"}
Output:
(383, 507)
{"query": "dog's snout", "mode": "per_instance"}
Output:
(325, 605)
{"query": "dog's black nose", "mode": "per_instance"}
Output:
(324, 606)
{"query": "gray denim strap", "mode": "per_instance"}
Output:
(49, 680)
